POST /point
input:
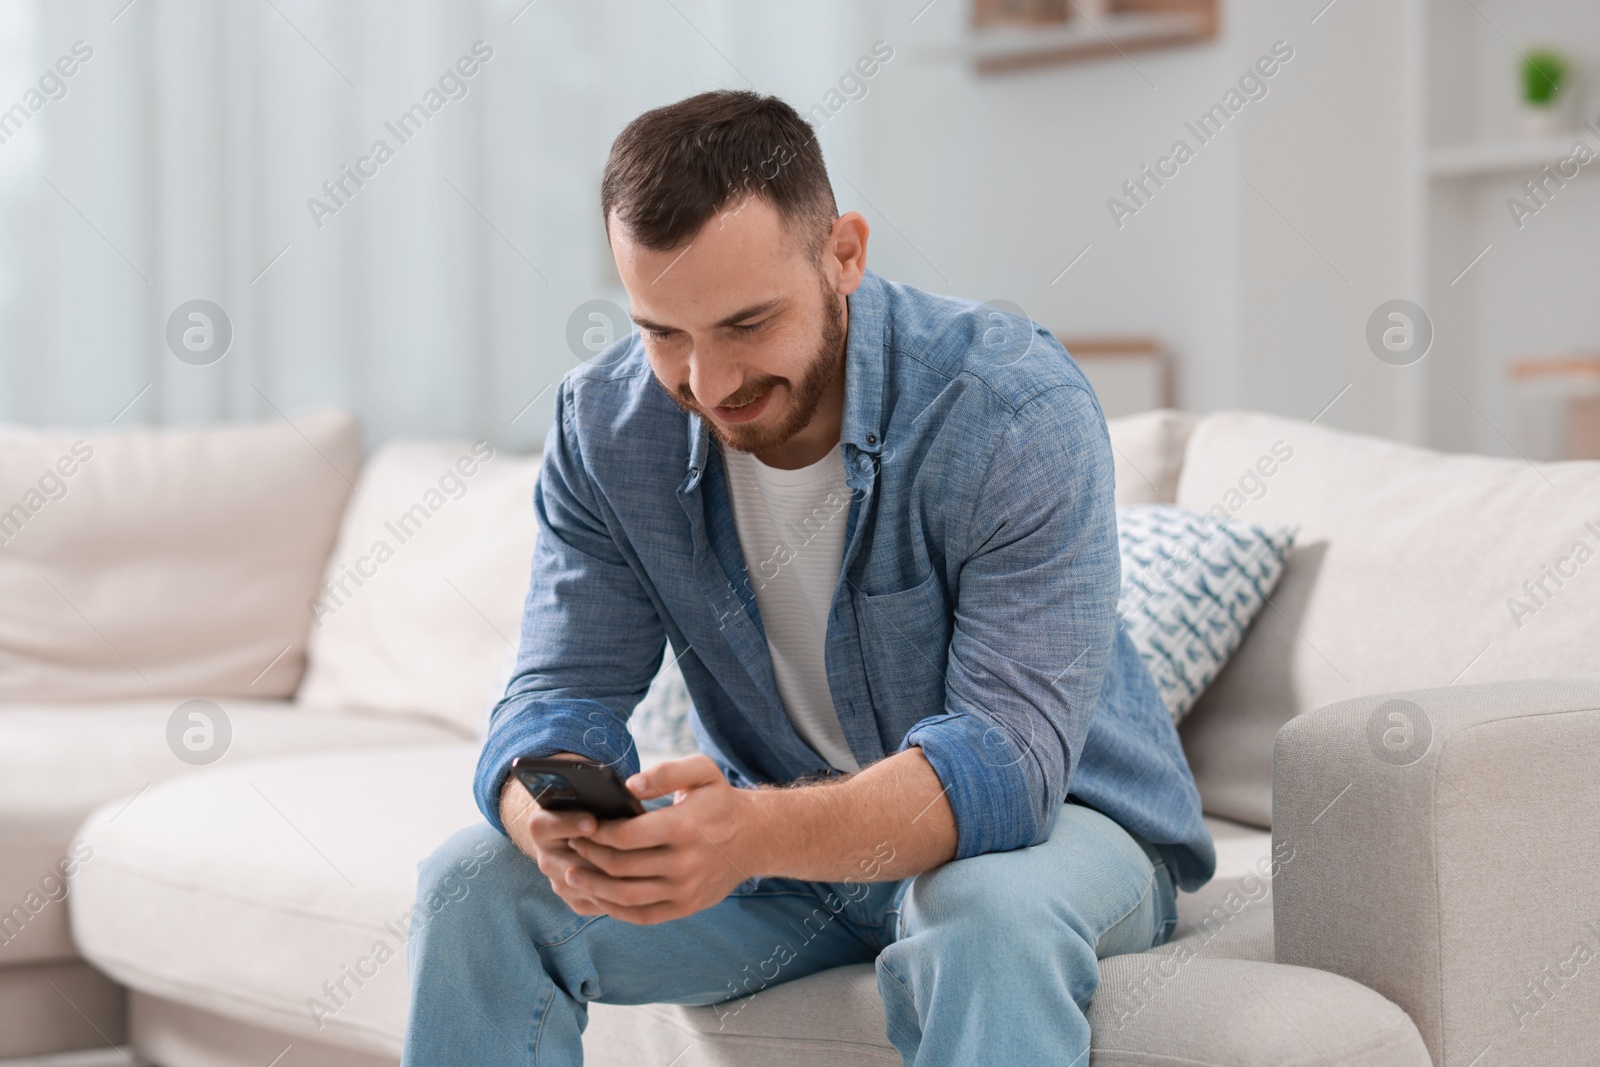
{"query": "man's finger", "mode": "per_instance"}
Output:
(624, 863)
(560, 825)
(649, 914)
(565, 854)
(623, 892)
(583, 905)
(663, 826)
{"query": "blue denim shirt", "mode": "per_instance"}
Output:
(975, 613)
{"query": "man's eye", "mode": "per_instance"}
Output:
(750, 327)
(659, 335)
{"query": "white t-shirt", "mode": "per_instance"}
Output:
(791, 528)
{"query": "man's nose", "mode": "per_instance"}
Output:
(712, 381)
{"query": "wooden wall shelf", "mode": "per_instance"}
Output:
(1002, 42)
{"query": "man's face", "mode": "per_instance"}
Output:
(740, 327)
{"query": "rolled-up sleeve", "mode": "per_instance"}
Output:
(1035, 621)
(591, 641)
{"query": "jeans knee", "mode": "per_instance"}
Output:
(978, 894)
(476, 862)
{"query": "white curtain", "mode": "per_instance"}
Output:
(177, 161)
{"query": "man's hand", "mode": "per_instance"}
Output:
(664, 864)
(888, 821)
(675, 860)
(545, 837)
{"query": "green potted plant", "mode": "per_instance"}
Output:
(1546, 78)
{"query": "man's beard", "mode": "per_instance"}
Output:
(818, 377)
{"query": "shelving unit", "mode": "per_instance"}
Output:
(1500, 284)
(1498, 157)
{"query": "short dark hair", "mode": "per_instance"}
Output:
(674, 167)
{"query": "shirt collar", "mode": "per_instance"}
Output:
(865, 354)
(865, 345)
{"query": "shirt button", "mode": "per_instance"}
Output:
(872, 438)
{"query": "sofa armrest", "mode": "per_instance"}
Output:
(1441, 847)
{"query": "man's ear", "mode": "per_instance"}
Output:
(847, 248)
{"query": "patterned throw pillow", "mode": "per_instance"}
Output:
(1191, 584)
(660, 724)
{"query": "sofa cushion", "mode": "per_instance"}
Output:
(1220, 1012)
(306, 865)
(1412, 569)
(1156, 1009)
(150, 563)
(1191, 584)
(420, 610)
(1230, 917)
(1147, 450)
(1197, 1011)
(58, 762)
(177, 1035)
(241, 891)
(308, 868)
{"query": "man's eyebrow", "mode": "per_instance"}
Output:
(738, 316)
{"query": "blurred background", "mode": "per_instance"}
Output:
(1384, 214)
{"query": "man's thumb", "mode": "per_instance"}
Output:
(673, 775)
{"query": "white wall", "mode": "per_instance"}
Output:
(1327, 232)
(194, 137)
(989, 186)
(993, 184)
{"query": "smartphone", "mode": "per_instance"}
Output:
(576, 785)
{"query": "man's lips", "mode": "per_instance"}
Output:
(746, 412)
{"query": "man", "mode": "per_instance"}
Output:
(877, 527)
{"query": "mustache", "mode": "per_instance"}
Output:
(761, 387)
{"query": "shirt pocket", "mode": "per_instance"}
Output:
(905, 639)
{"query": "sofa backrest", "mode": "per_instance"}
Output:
(1147, 450)
(165, 563)
(419, 618)
(421, 603)
(1412, 569)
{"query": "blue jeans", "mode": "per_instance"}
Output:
(989, 959)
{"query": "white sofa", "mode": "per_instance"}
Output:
(1370, 908)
